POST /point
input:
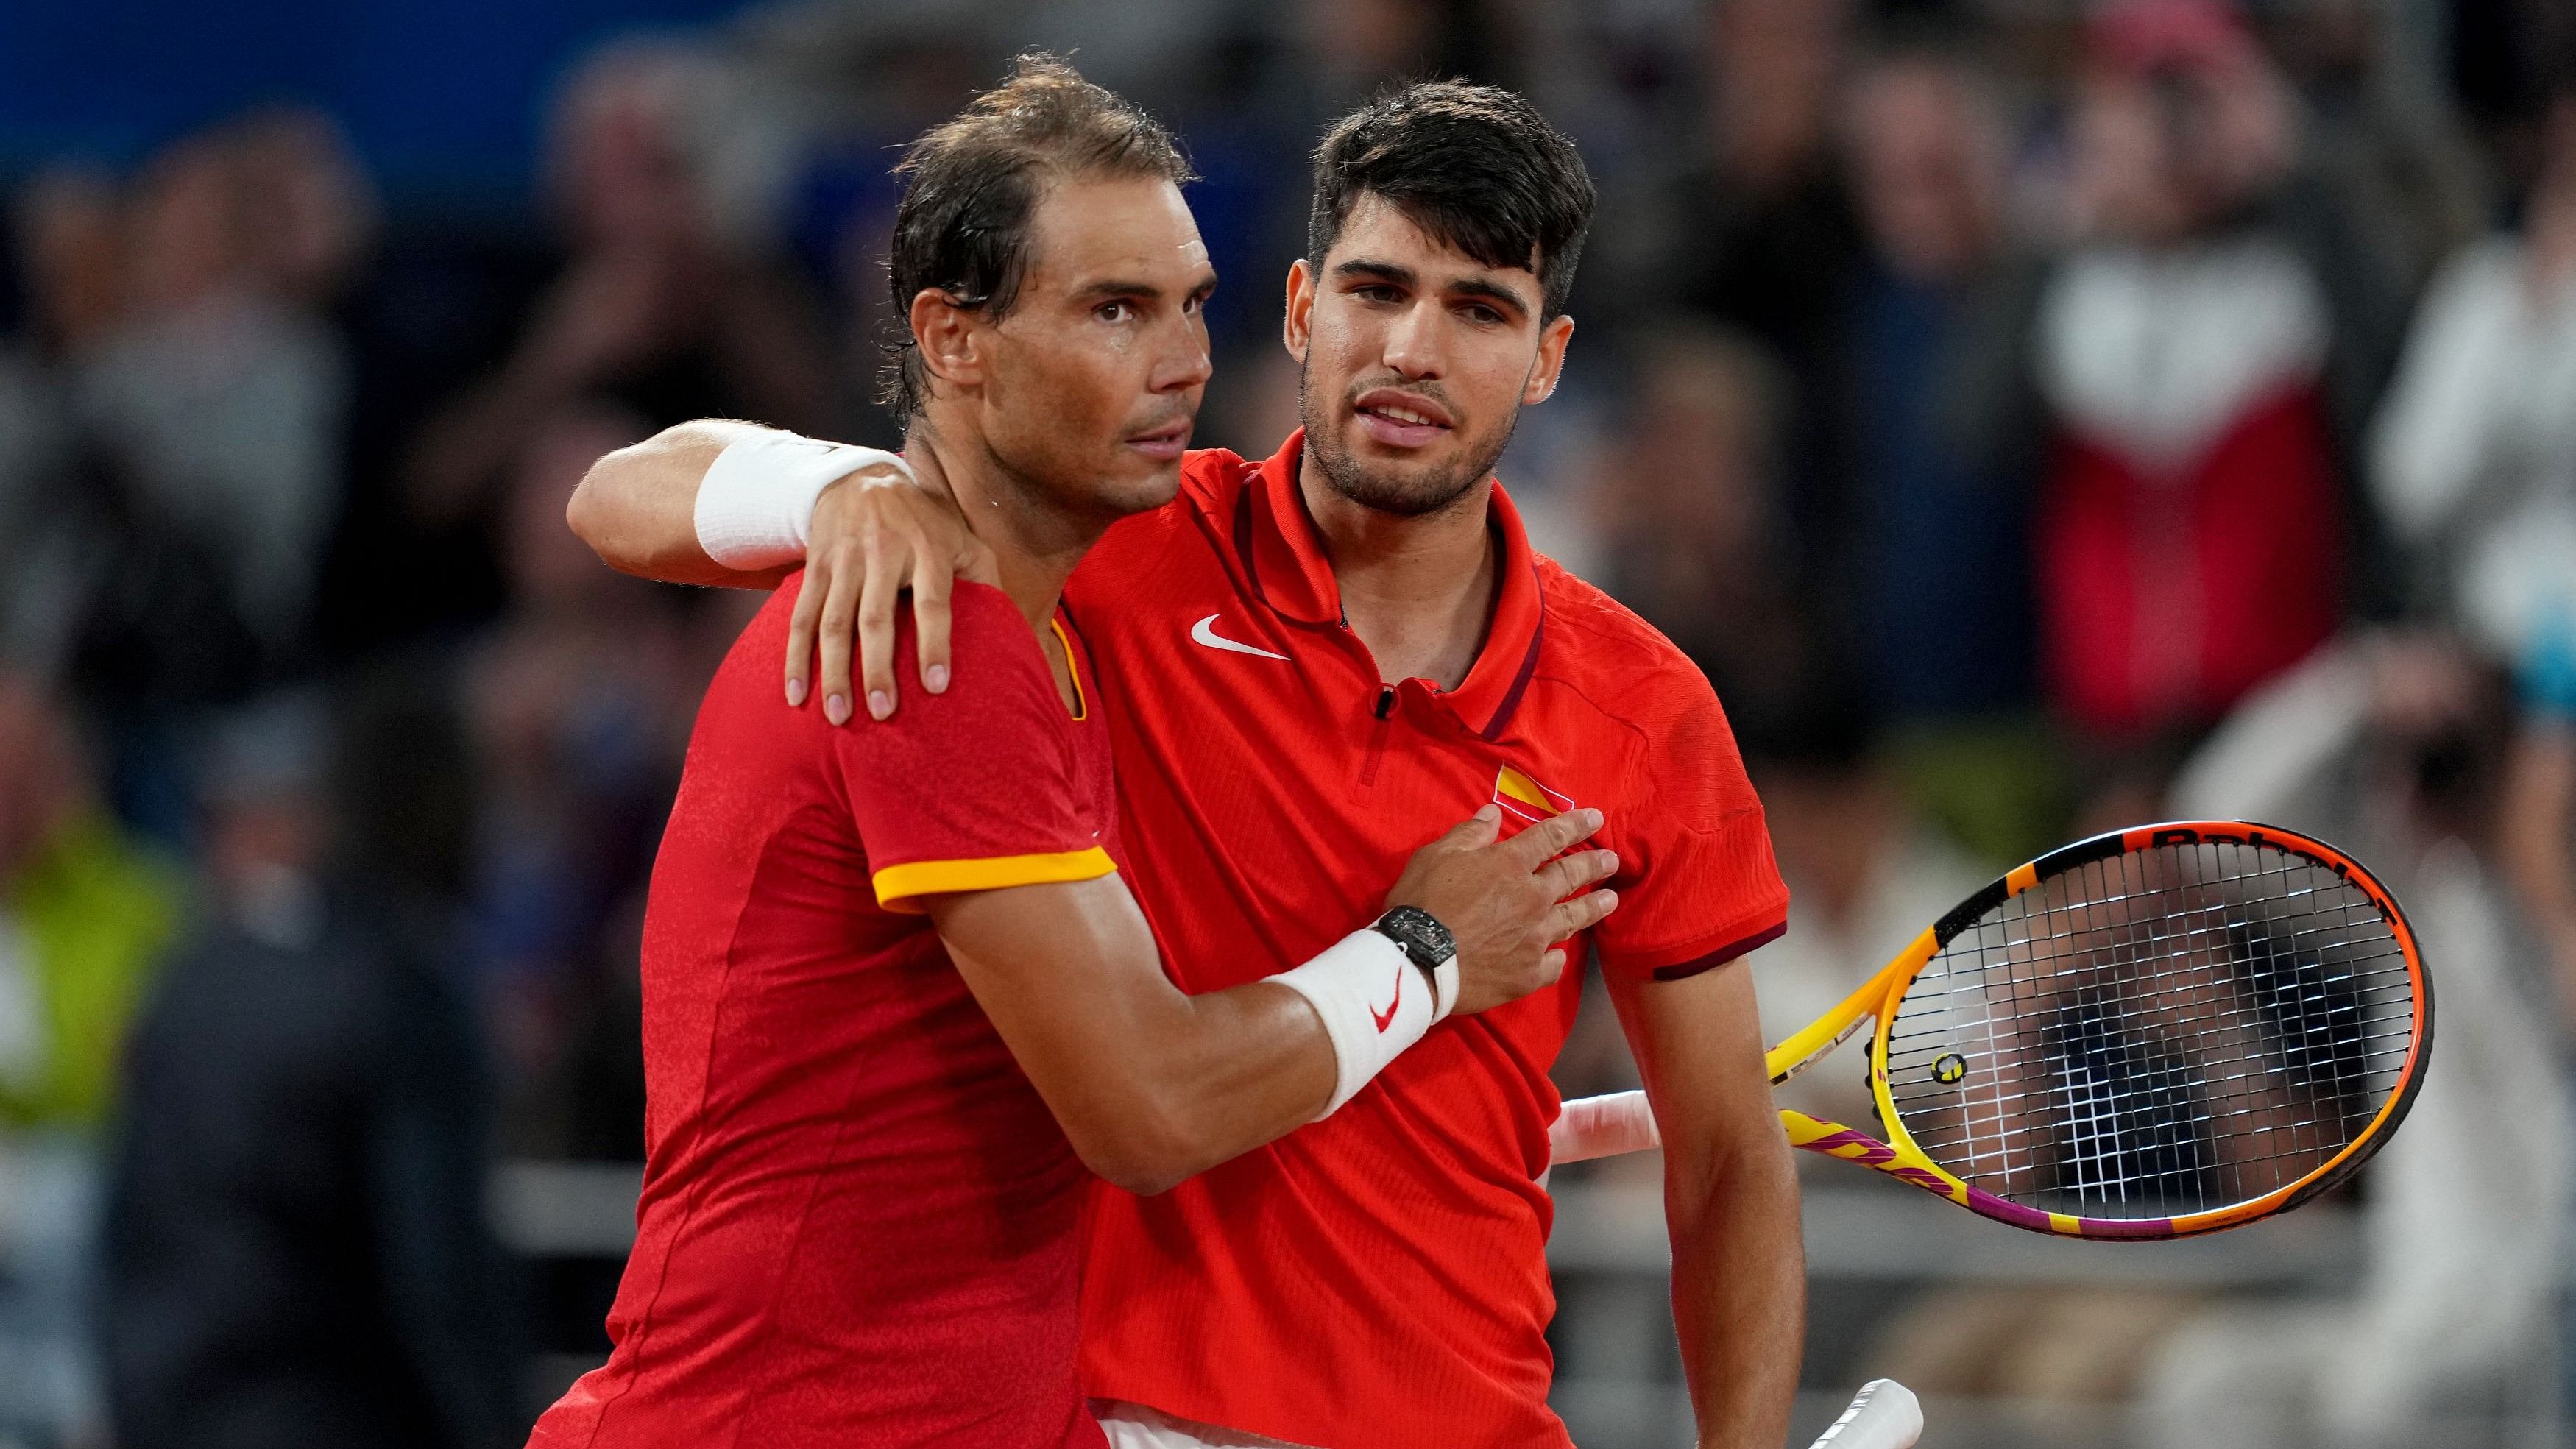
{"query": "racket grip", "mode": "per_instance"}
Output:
(1591, 1127)
(1884, 1415)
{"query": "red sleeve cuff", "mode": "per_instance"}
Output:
(1690, 961)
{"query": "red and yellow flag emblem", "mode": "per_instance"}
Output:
(1525, 801)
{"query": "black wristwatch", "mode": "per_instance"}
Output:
(1426, 942)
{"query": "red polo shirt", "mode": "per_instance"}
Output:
(860, 1224)
(1378, 1278)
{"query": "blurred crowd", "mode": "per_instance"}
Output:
(2035, 416)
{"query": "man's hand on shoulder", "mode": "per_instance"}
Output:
(875, 534)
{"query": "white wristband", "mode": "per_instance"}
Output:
(1374, 1002)
(757, 500)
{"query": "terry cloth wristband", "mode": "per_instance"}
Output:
(1374, 1001)
(757, 500)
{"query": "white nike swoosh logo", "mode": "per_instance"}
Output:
(1204, 632)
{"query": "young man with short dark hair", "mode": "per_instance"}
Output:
(896, 994)
(1311, 660)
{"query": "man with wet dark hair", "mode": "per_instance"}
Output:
(1309, 662)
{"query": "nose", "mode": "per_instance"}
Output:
(1185, 363)
(1413, 341)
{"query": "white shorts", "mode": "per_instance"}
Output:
(1133, 1426)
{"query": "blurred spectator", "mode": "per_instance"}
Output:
(2379, 129)
(2207, 356)
(2539, 826)
(296, 1250)
(65, 241)
(2475, 466)
(652, 307)
(84, 914)
(2476, 449)
(215, 404)
(1689, 504)
(317, 210)
(69, 253)
(580, 701)
(1756, 229)
(1942, 481)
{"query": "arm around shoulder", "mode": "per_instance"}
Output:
(637, 507)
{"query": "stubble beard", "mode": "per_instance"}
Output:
(1388, 492)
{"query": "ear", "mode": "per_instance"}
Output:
(949, 337)
(1296, 327)
(1550, 362)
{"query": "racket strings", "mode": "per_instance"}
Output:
(2164, 1031)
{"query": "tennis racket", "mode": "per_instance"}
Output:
(2148, 1034)
(1883, 1416)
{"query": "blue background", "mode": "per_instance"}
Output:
(443, 98)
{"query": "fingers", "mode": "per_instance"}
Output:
(1580, 914)
(1476, 831)
(877, 595)
(800, 632)
(1552, 836)
(930, 585)
(832, 639)
(1550, 967)
(1573, 871)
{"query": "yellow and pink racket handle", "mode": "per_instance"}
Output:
(1622, 1122)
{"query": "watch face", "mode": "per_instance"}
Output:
(1420, 934)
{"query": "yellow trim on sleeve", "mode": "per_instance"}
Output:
(898, 885)
(1073, 667)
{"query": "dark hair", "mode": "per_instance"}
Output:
(972, 186)
(1475, 166)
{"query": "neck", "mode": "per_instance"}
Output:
(1418, 590)
(1035, 541)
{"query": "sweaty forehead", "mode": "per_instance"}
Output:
(1132, 228)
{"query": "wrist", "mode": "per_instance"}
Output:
(755, 506)
(1373, 1002)
(1430, 947)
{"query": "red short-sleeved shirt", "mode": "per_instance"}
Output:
(1378, 1278)
(860, 1224)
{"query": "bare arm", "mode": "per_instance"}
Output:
(637, 508)
(874, 535)
(1151, 1085)
(1730, 1200)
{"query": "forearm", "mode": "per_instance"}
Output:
(1739, 1288)
(637, 507)
(1222, 1074)
(1730, 1201)
(1150, 1084)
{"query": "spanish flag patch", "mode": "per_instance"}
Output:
(1525, 801)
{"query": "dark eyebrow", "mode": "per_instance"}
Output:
(1114, 287)
(1111, 287)
(1384, 271)
(1403, 276)
(1491, 290)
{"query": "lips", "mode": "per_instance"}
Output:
(1401, 419)
(1162, 444)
